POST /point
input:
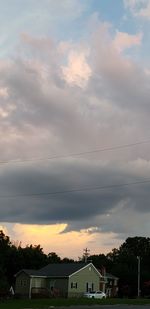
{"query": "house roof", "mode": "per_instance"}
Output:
(29, 272)
(61, 270)
(107, 275)
(55, 270)
(111, 276)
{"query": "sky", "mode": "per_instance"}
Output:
(74, 123)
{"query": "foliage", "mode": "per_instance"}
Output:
(125, 264)
(53, 258)
(100, 261)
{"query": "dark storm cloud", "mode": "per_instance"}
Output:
(80, 209)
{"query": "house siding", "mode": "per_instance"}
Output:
(87, 277)
(22, 284)
(38, 283)
(60, 286)
(38, 287)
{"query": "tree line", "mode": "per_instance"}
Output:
(121, 262)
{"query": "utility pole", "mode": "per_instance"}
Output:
(86, 252)
(139, 274)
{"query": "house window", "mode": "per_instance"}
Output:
(89, 286)
(23, 282)
(52, 284)
(73, 285)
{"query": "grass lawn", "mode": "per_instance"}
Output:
(47, 303)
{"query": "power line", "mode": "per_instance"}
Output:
(76, 154)
(144, 181)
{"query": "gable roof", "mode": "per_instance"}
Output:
(56, 270)
(61, 270)
(29, 272)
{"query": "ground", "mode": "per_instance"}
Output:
(76, 304)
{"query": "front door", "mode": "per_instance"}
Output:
(89, 286)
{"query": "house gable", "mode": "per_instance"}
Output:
(84, 280)
(22, 283)
(90, 265)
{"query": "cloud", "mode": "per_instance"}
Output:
(97, 99)
(66, 9)
(124, 40)
(79, 209)
(50, 238)
(4, 93)
(78, 71)
(139, 8)
(119, 74)
(74, 240)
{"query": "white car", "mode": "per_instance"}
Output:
(97, 295)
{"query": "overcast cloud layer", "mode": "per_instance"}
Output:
(62, 96)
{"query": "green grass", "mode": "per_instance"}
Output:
(46, 303)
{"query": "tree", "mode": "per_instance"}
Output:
(53, 258)
(5, 247)
(100, 261)
(32, 257)
(125, 263)
(67, 260)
